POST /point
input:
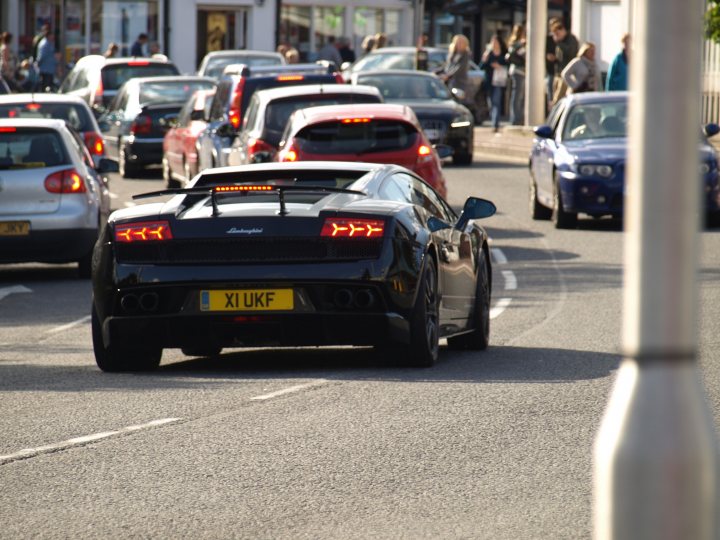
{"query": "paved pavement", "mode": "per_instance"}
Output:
(510, 142)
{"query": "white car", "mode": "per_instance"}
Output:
(53, 203)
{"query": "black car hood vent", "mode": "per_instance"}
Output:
(248, 251)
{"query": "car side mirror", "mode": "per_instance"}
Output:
(475, 208)
(106, 165)
(543, 132)
(710, 130)
(444, 150)
(436, 224)
(226, 130)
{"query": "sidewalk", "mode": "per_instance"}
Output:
(510, 142)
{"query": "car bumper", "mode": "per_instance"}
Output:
(460, 139)
(144, 151)
(56, 246)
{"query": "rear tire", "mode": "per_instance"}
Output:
(424, 323)
(479, 338)
(463, 159)
(115, 358)
(125, 168)
(85, 266)
(537, 210)
(561, 218)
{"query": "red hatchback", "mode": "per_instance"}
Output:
(375, 133)
(180, 152)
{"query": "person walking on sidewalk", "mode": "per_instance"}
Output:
(455, 73)
(566, 48)
(582, 73)
(617, 77)
(496, 75)
(516, 58)
(47, 62)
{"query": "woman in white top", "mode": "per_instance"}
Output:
(582, 73)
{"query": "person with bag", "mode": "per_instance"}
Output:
(496, 77)
(517, 49)
(455, 73)
(582, 73)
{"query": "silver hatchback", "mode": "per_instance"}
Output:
(52, 202)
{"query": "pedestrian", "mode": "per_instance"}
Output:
(566, 48)
(47, 62)
(8, 62)
(28, 77)
(112, 50)
(550, 63)
(455, 73)
(44, 31)
(156, 52)
(517, 50)
(368, 43)
(380, 40)
(582, 73)
(282, 49)
(496, 75)
(330, 52)
(292, 55)
(346, 52)
(137, 47)
(617, 77)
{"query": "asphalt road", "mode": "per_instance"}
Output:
(330, 443)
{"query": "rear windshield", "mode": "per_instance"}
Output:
(356, 137)
(278, 112)
(30, 148)
(171, 92)
(410, 87)
(74, 115)
(217, 64)
(263, 83)
(114, 76)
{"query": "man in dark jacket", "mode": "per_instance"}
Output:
(137, 47)
(566, 48)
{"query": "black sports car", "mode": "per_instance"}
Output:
(308, 253)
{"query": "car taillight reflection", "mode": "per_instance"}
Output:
(141, 125)
(94, 143)
(146, 231)
(290, 154)
(65, 181)
(353, 228)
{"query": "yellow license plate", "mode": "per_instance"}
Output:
(14, 228)
(247, 300)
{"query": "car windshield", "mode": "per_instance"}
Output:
(170, 91)
(407, 87)
(30, 148)
(216, 65)
(596, 121)
(74, 114)
(278, 112)
(115, 75)
(357, 136)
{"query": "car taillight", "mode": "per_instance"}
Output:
(94, 143)
(141, 125)
(66, 181)
(353, 228)
(290, 78)
(98, 97)
(146, 231)
(234, 114)
(425, 153)
(256, 146)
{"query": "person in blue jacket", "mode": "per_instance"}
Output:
(617, 77)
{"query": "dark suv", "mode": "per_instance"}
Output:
(237, 85)
(96, 79)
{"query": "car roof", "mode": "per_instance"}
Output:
(596, 97)
(309, 68)
(243, 52)
(101, 60)
(401, 49)
(312, 89)
(33, 123)
(300, 165)
(401, 72)
(390, 111)
(39, 97)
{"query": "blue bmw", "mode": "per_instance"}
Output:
(577, 162)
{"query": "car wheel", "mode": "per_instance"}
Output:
(201, 351)
(479, 338)
(115, 358)
(560, 218)
(85, 266)
(463, 158)
(170, 182)
(125, 168)
(537, 210)
(424, 324)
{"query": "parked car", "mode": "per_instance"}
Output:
(474, 97)
(180, 151)
(214, 63)
(138, 118)
(52, 206)
(72, 109)
(269, 111)
(97, 79)
(577, 162)
(381, 133)
(317, 253)
(236, 87)
(443, 118)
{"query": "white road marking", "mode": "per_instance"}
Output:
(501, 305)
(7, 291)
(498, 256)
(290, 390)
(510, 280)
(79, 441)
(67, 326)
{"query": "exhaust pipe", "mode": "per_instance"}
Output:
(130, 303)
(364, 298)
(343, 298)
(149, 301)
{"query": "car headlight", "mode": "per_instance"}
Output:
(461, 122)
(604, 171)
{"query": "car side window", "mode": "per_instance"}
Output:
(397, 188)
(184, 114)
(426, 197)
(217, 109)
(69, 83)
(251, 116)
(80, 80)
(555, 115)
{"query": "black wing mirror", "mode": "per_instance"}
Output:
(226, 130)
(475, 208)
(543, 132)
(444, 150)
(710, 130)
(106, 166)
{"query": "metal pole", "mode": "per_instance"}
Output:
(655, 454)
(535, 62)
